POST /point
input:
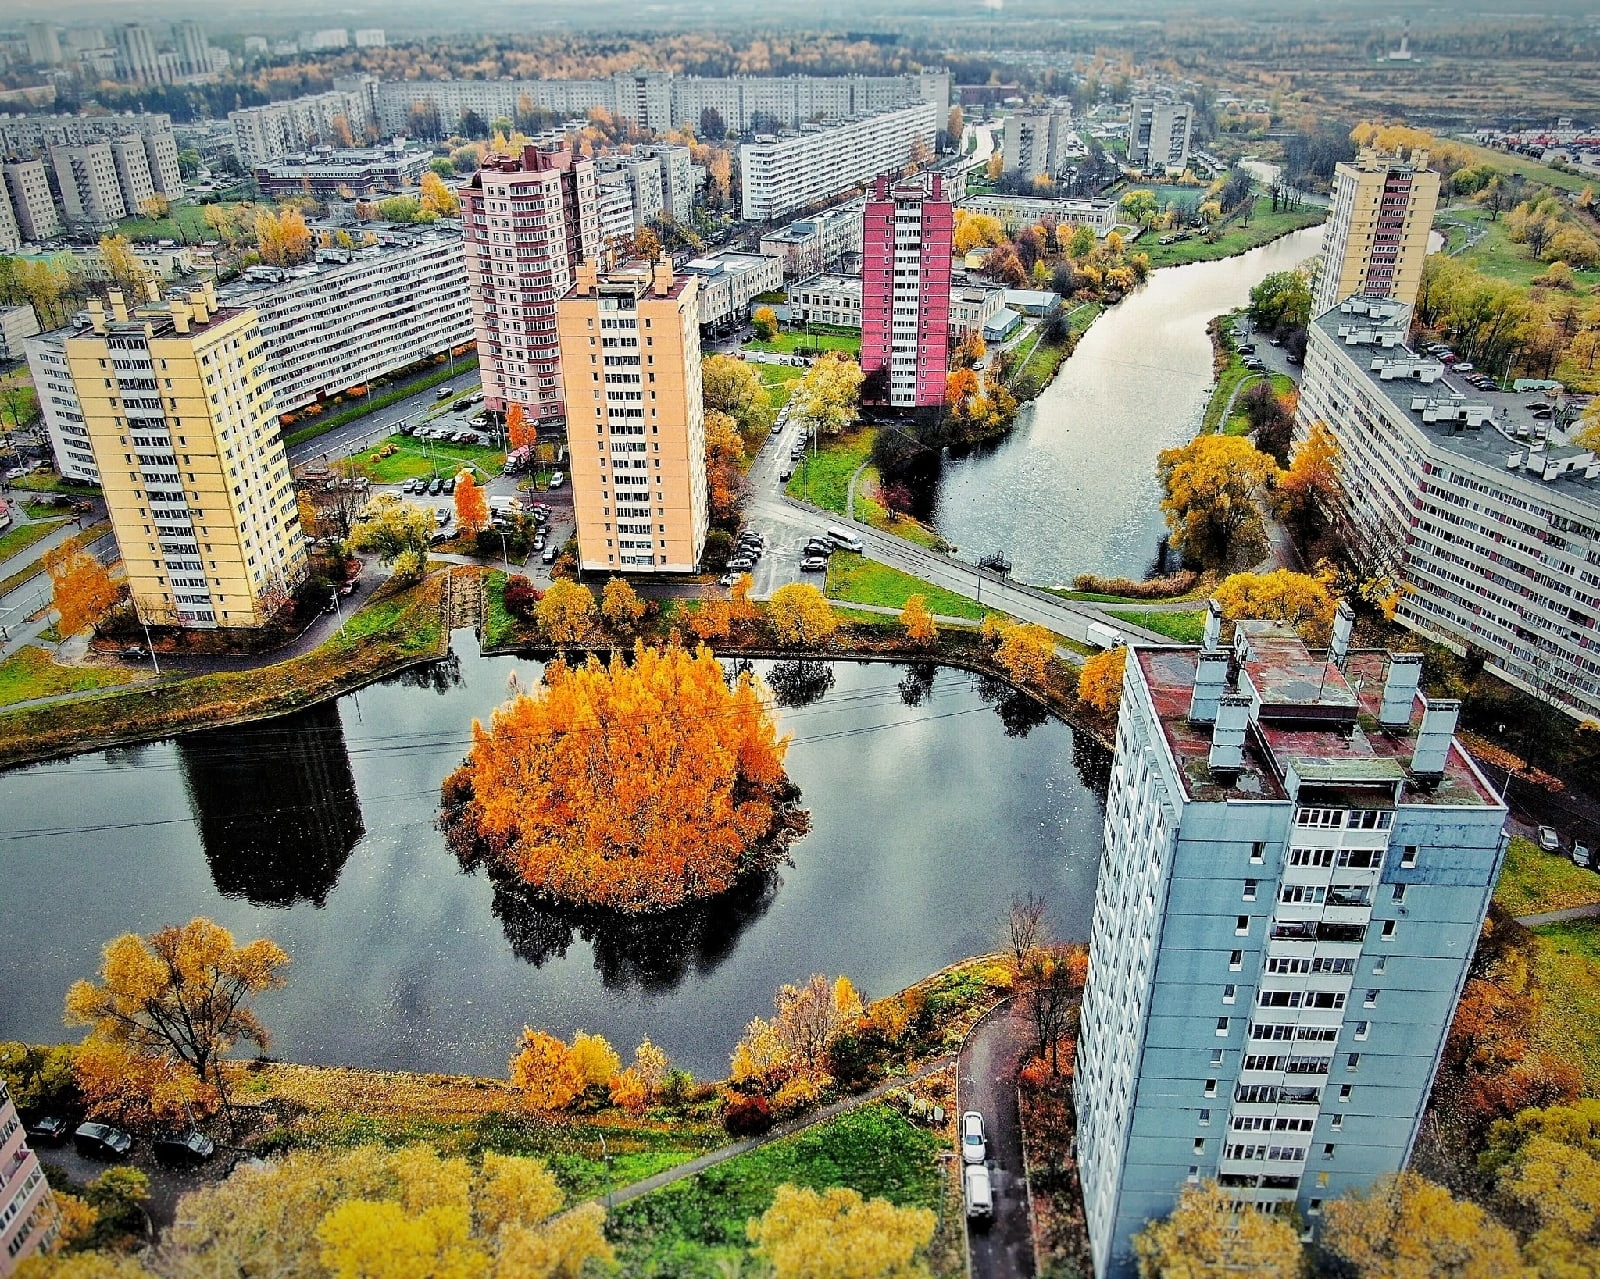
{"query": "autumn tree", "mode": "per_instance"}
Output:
(836, 1234)
(1405, 1227)
(731, 386)
(696, 805)
(1310, 490)
(918, 621)
(1210, 501)
(437, 198)
(724, 452)
(799, 615)
(546, 1072)
(179, 996)
(829, 395)
(1100, 682)
(566, 612)
(765, 323)
(519, 434)
(472, 507)
(1027, 654)
(81, 587)
(1051, 980)
(122, 266)
(397, 532)
(636, 1086)
(979, 406)
(955, 125)
(1282, 595)
(1281, 301)
(977, 230)
(806, 1020)
(621, 607)
(282, 239)
(1209, 1236)
(1552, 1182)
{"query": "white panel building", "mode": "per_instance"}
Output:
(729, 283)
(1158, 135)
(58, 402)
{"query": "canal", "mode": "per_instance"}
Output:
(933, 798)
(1072, 489)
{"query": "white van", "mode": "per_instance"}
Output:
(1102, 636)
(844, 541)
(978, 1192)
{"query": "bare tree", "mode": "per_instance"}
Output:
(1025, 929)
(1052, 982)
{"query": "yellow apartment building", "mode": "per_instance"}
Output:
(630, 358)
(1377, 236)
(178, 407)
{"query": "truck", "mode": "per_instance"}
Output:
(1102, 636)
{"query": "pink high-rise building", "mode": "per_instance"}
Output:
(907, 240)
(529, 220)
(27, 1209)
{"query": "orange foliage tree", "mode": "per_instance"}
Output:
(1100, 683)
(81, 587)
(634, 786)
(519, 434)
(472, 508)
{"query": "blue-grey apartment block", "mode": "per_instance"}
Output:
(1298, 859)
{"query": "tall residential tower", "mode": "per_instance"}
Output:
(630, 349)
(1377, 237)
(907, 239)
(1298, 860)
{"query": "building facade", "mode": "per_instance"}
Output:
(17, 325)
(1017, 211)
(677, 178)
(33, 137)
(529, 220)
(10, 233)
(826, 241)
(86, 177)
(58, 404)
(972, 307)
(827, 299)
(1377, 237)
(729, 285)
(27, 1209)
(178, 407)
(1158, 135)
(780, 173)
(1491, 522)
(1039, 142)
(137, 57)
(905, 291)
(1298, 860)
(630, 345)
(33, 207)
(353, 315)
(327, 174)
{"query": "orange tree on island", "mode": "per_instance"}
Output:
(634, 786)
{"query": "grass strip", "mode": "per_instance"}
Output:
(1185, 628)
(30, 672)
(856, 580)
(1533, 881)
(1264, 227)
(1569, 1019)
(19, 539)
(393, 395)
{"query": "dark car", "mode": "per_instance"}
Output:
(185, 1149)
(49, 1130)
(102, 1141)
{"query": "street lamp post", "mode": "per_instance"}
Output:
(148, 643)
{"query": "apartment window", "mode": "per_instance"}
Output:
(1241, 925)
(1353, 1061)
(1380, 965)
(1388, 929)
(1338, 1123)
(1205, 1118)
(1230, 993)
(1222, 1026)
(1345, 1090)
(1216, 1059)
(1327, 1150)
(1199, 1145)
(1363, 1029)
(1194, 1174)
(1314, 1208)
(1236, 961)
(1250, 886)
(1371, 1001)
(1322, 1181)
(1408, 858)
(1258, 852)
(1399, 892)
(1210, 1089)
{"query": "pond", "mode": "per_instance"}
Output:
(933, 795)
(1072, 489)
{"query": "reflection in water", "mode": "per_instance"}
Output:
(796, 684)
(653, 952)
(275, 803)
(916, 686)
(440, 676)
(1020, 713)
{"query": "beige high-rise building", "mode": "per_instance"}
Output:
(1377, 237)
(178, 406)
(630, 355)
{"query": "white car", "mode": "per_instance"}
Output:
(978, 1193)
(974, 1147)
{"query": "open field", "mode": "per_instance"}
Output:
(862, 581)
(1526, 167)
(1501, 257)
(429, 457)
(795, 341)
(186, 222)
(779, 379)
(30, 672)
(1185, 628)
(824, 480)
(1264, 227)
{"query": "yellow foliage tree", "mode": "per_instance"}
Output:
(123, 267)
(1405, 1227)
(977, 230)
(807, 1019)
(800, 615)
(284, 239)
(829, 394)
(378, 1239)
(81, 587)
(621, 607)
(1208, 1236)
(472, 508)
(1309, 489)
(836, 1234)
(81, 1265)
(1556, 1183)
(691, 811)
(765, 323)
(139, 1089)
(566, 612)
(546, 1072)
(732, 386)
(1027, 654)
(1100, 683)
(1210, 500)
(918, 621)
(595, 1058)
(561, 1249)
(437, 198)
(1298, 599)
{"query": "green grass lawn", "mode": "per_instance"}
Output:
(1528, 168)
(1532, 882)
(1185, 628)
(427, 457)
(695, 1229)
(1499, 256)
(862, 581)
(1238, 422)
(1569, 1020)
(185, 222)
(794, 341)
(50, 482)
(16, 540)
(1264, 227)
(869, 510)
(824, 480)
(30, 673)
(779, 379)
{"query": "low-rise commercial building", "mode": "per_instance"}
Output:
(780, 173)
(972, 306)
(327, 174)
(826, 241)
(827, 299)
(729, 285)
(1018, 211)
(1492, 523)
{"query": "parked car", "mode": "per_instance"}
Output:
(814, 564)
(979, 1194)
(558, 479)
(185, 1149)
(741, 563)
(819, 546)
(787, 473)
(777, 427)
(974, 1146)
(549, 556)
(727, 579)
(450, 484)
(436, 488)
(441, 517)
(49, 1130)
(445, 392)
(1581, 856)
(102, 1141)
(1549, 839)
(1247, 348)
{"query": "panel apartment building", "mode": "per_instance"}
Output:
(179, 412)
(1158, 135)
(28, 1223)
(1493, 524)
(905, 291)
(630, 348)
(529, 220)
(1039, 141)
(826, 241)
(343, 116)
(1298, 860)
(1377, 237)
(102, 167)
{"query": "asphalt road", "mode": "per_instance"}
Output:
(347, 439)
(987, 1082)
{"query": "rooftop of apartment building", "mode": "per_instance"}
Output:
(804, 228)
(828, 283)
(1493, 429)
(531, 159)
(633, 277)
(393, 238)
(341, 161)
(836, 122)
(1270, 716)
(180, 314)
(727, 262)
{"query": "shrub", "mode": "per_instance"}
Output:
(747, 1116)
(521, 597)
(1156, 588)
